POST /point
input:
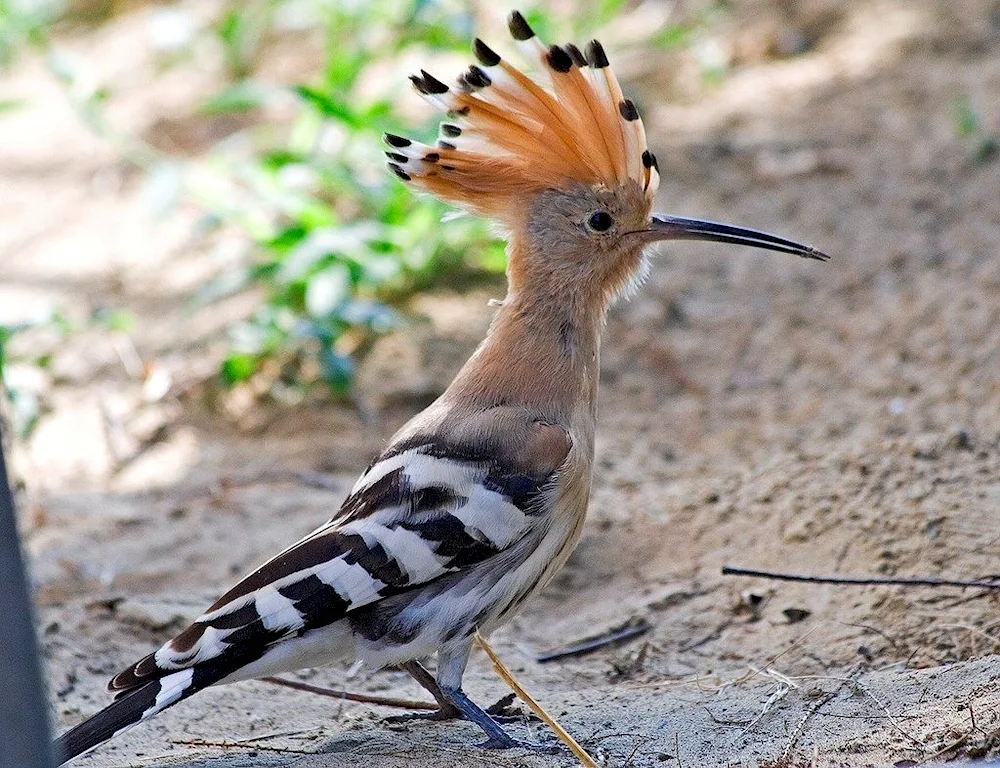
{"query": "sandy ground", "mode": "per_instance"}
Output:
(839, 418)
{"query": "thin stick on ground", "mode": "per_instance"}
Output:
(753, 671)
(237, 745)
(617, 635)
(364, 698)
(976, 631)
(923, 581)
(579, 752)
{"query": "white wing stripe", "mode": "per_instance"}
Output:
(276, 611)
(380, 469)
(494, 516)
(406, 547)
(422, 470)
(351, 581)
(171, 688)
(232, 605)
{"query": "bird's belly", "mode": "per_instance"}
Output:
(316, 648)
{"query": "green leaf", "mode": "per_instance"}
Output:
(326, 104)
(239, 367)
(25, 411)
(114, 319)
(11, 105)
(966, 120)
(279, 158)
(672, 36)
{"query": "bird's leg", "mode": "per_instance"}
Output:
(451, 666)
(445, 711)
(498, 737)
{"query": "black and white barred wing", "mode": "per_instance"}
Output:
(413, 517)
(423, 512)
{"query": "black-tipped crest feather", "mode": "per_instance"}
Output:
(486, 55)
(396, 141)
(399, 171)
(576, 54)
(519, 28)
(427, 83)
(558, 59)
(478, 77)
(522, 134)
(596, 56)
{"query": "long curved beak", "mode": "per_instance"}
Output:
(678, 228)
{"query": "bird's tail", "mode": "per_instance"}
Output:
(130, 708)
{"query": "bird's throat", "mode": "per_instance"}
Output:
(538, 351)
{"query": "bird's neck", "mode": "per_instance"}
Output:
(542, 351)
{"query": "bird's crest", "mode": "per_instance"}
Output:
(510, 135)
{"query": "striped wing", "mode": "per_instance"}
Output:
(421, 510)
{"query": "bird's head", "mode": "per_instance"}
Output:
(560, 161)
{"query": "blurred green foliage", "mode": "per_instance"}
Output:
(25, 23)
(969, 126)
(22, 372)
(338, 240)
(25, 405)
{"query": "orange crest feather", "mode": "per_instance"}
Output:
(509, 137)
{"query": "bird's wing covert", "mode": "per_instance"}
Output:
(424, 508)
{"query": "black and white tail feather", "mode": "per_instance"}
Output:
(132, 707)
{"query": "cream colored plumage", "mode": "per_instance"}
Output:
(474, 504)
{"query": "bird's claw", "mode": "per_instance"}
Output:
(504, 711)
(436, 715)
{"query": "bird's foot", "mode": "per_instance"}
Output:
(503, 711)
(436, 715)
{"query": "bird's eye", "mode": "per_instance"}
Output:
(599, 221)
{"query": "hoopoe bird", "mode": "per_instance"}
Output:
(478, 500)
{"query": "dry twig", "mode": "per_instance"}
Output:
(976, 631)
(923, 581)
(783, 686)
(238, 745)
(863, 689)
(629, 630)
(364, 698)
(824, 700)
(579, 752)
(753, 671)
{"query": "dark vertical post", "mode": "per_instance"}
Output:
(25, 740)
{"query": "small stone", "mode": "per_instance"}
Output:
(795, 615)
(960, 440)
